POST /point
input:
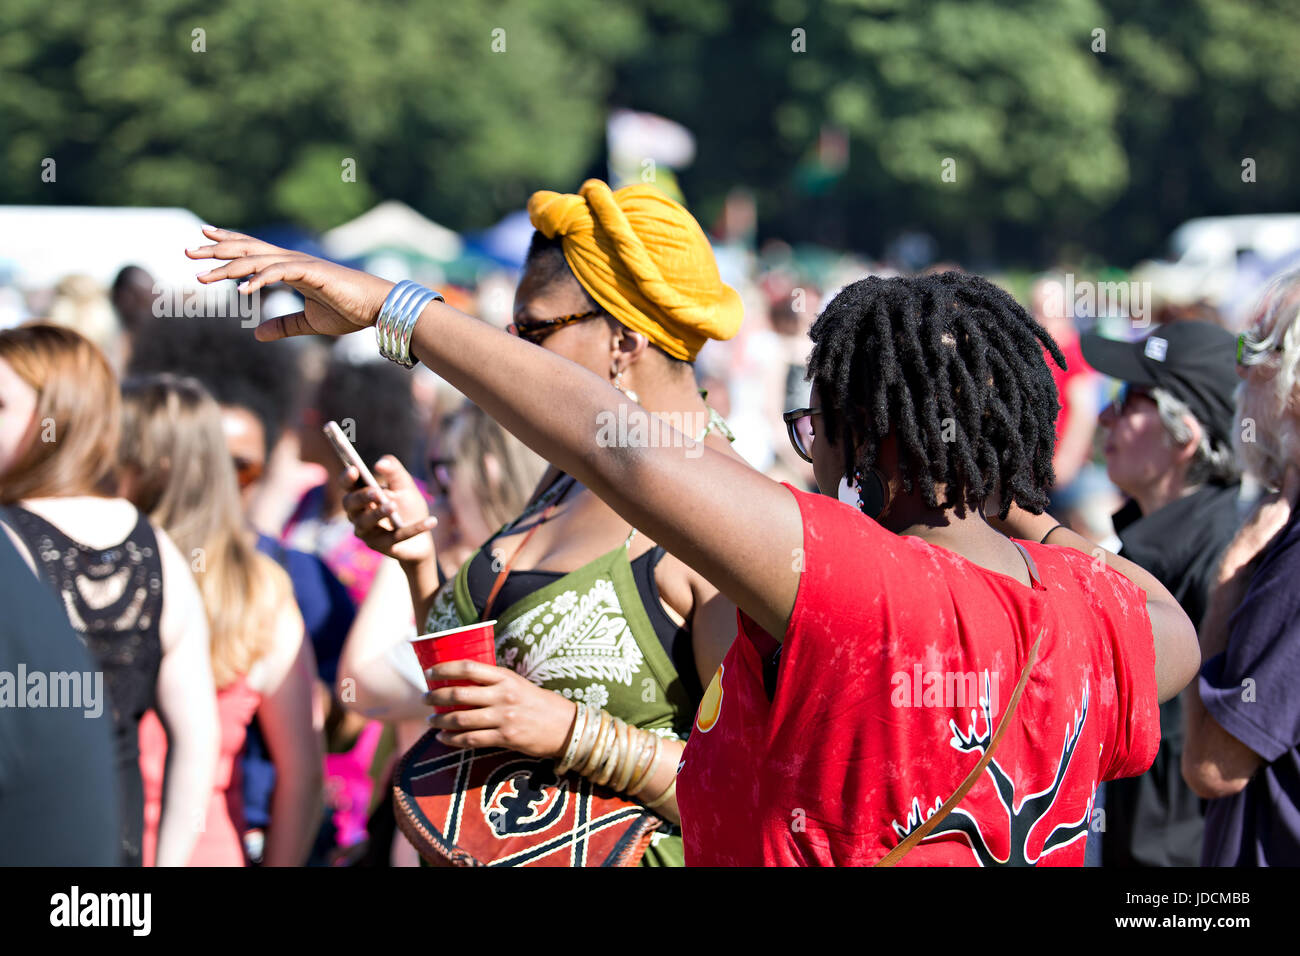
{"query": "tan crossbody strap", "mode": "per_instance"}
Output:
(921, 832)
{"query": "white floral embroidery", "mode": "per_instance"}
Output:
(595, 695)
(589, 639)
(443, 615)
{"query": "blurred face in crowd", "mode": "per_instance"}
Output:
(462, 498)
(246, 443)
(313, 446)
(441, 470)
(133, 296)
(17, 409)
(457, 492)
(1139, 451)
(586, 342)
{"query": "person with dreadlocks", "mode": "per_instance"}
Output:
(879, 654)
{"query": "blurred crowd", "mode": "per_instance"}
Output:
(218, 441)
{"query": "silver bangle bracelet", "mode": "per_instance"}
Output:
(383, 327)
(397, 320)
(407, 330)
(396, 324)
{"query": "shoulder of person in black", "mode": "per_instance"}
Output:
(676, 639)
(59, 804)
(1180, 543)
(1155, 819)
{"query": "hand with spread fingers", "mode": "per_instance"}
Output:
(507, 710)
(338, 300)
(371, 515)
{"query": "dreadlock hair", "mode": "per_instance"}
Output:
(545, 259)
(954, 367)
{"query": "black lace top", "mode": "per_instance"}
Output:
(113, 599)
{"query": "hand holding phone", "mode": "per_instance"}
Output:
(348, 455)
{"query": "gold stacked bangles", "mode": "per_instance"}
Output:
(612, 753)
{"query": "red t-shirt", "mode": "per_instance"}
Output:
(876, 719)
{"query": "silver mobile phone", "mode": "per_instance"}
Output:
(348, 455)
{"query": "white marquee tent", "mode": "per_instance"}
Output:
(39, 245)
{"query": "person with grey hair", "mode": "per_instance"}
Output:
(1243, 714)
(1169, 448)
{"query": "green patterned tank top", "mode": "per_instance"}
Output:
(586, 635)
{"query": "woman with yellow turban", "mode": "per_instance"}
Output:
(623, 285)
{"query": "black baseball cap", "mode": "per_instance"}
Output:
(1193, 361)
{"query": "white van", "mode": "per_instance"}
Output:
(1223, 259)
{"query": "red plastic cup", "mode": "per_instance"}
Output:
(474, 642)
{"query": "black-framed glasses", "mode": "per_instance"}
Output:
(1251, 351)
(1126, 393)
(798, 422)
(537, 329)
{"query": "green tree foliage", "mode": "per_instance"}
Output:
(961, 115)
(1094, 123)
(1205, 85)
(458, 108)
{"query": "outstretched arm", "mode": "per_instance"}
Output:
(737, 528)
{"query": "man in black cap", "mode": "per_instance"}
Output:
(1169, 448)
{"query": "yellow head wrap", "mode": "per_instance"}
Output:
(645, 260)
